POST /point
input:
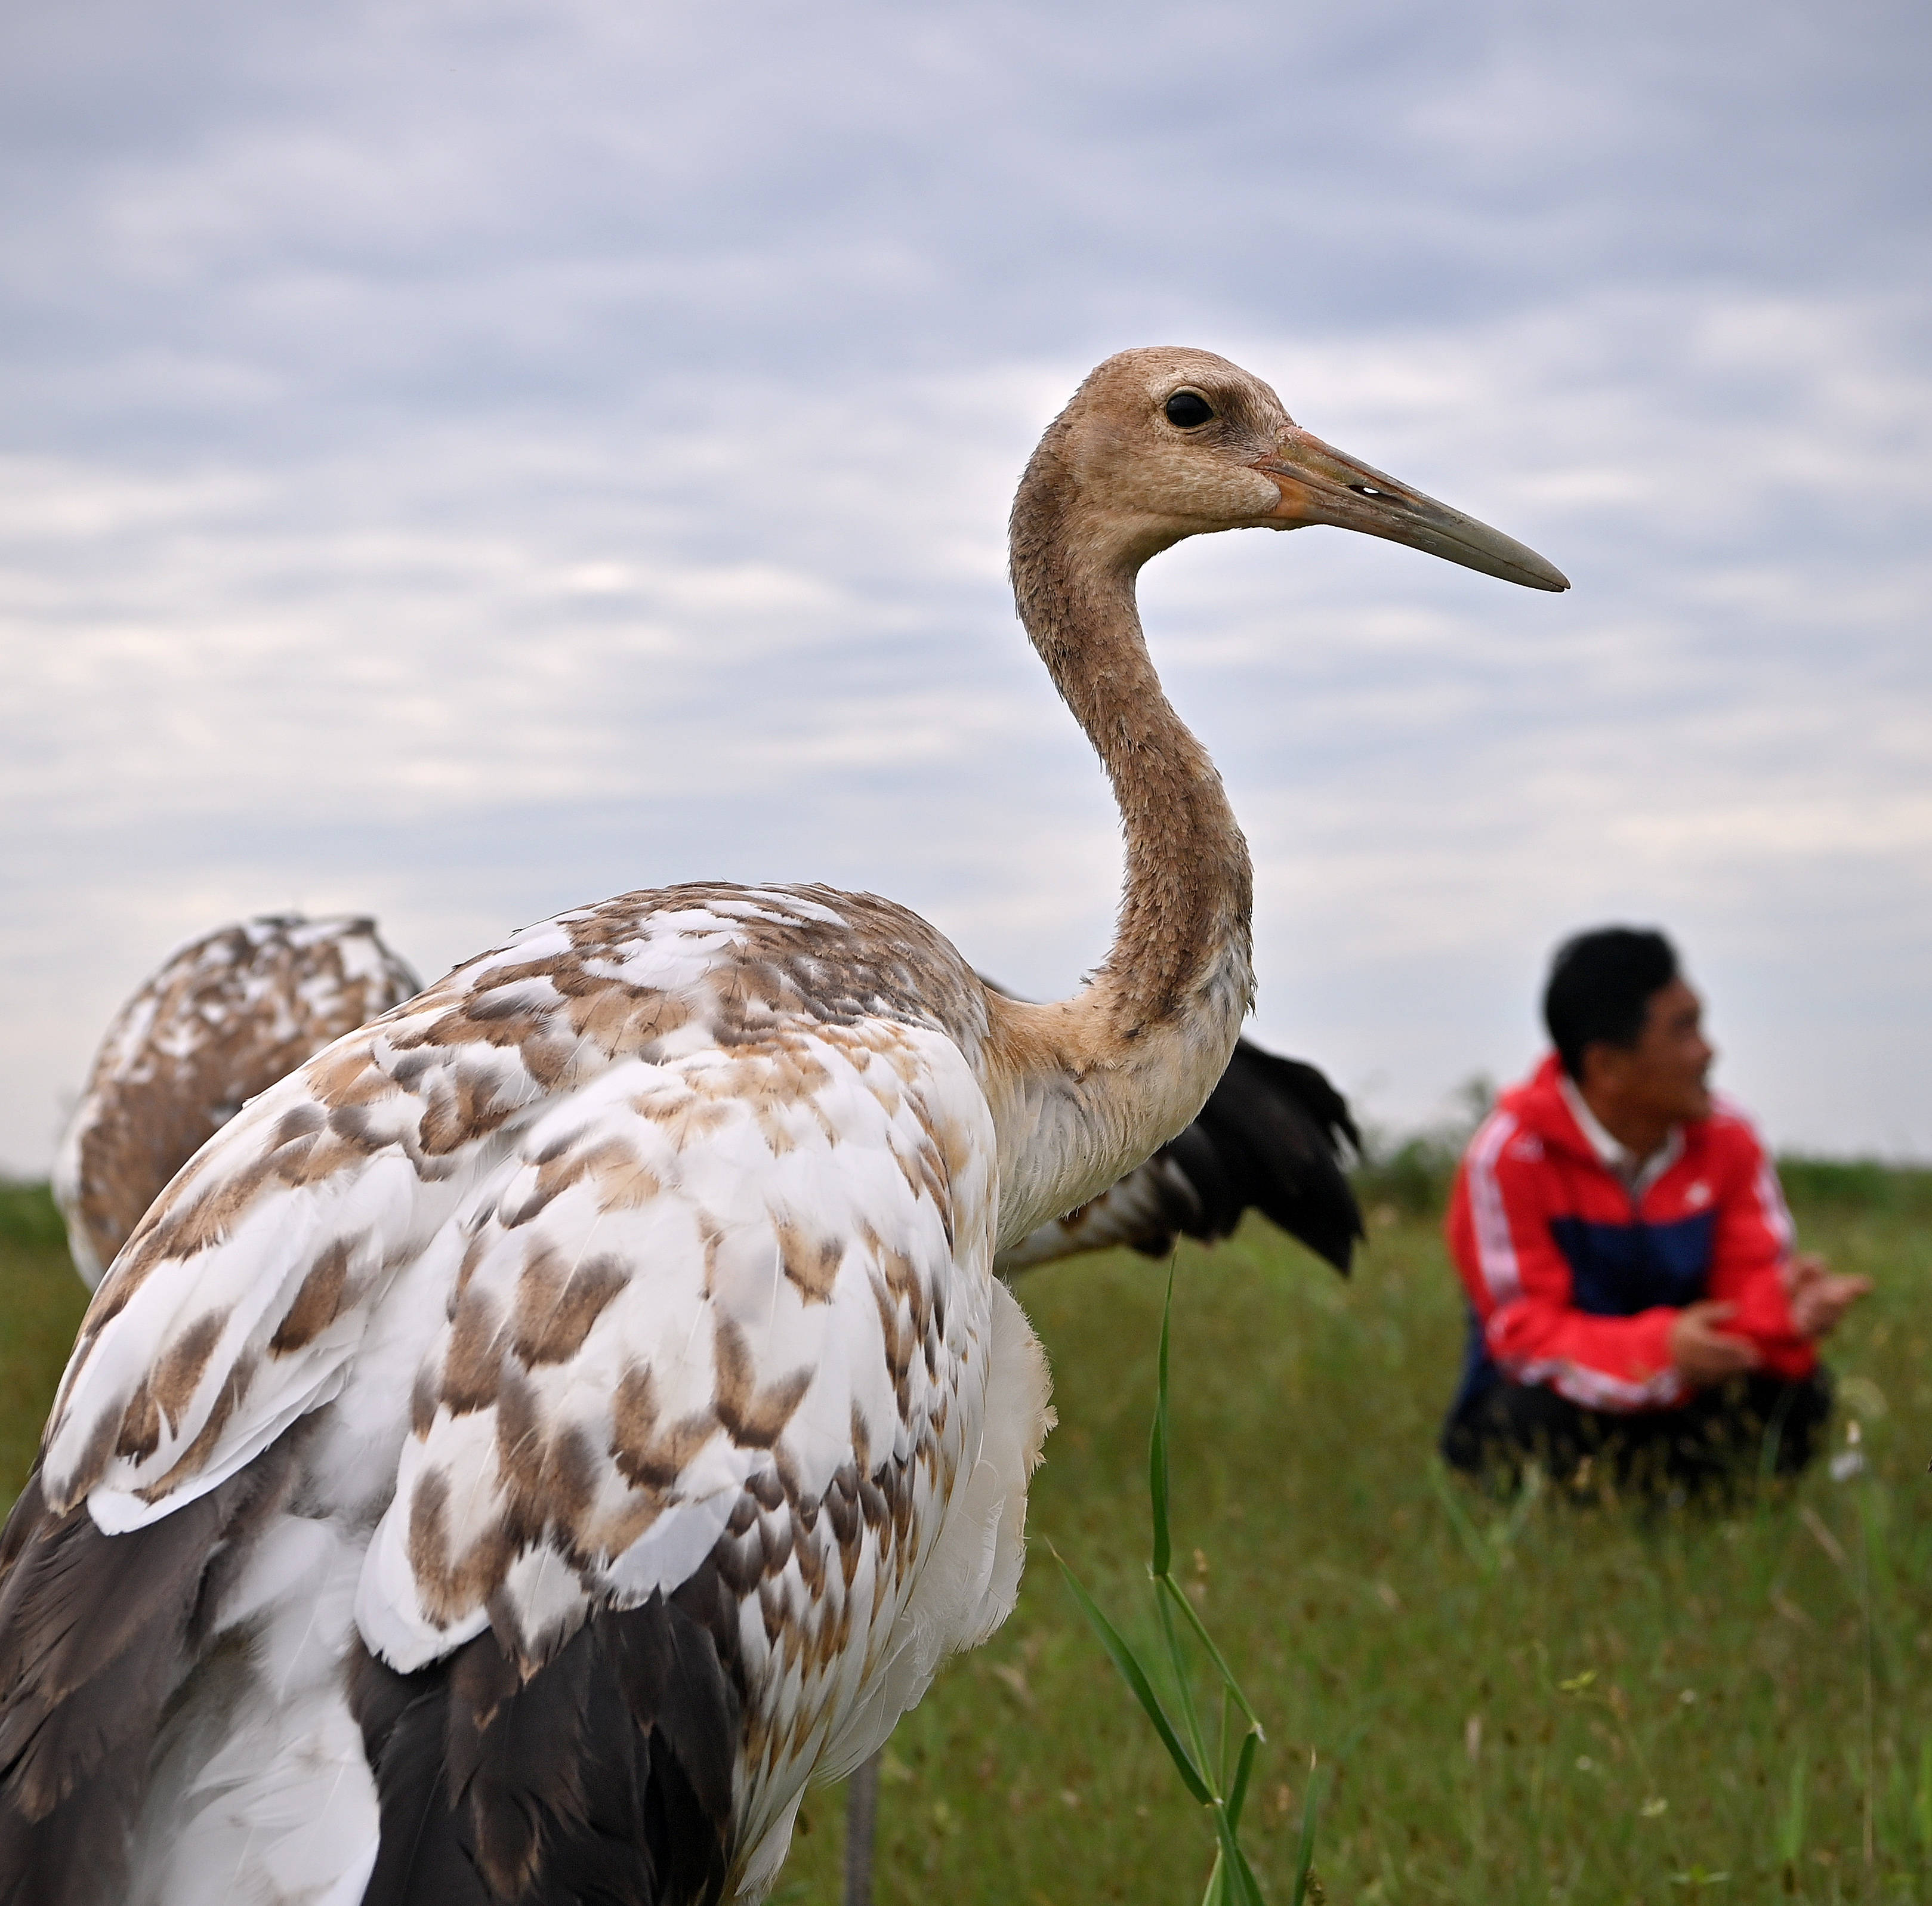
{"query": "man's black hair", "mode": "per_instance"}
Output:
(1601, 984)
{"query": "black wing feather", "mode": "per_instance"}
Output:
(1271, 1137)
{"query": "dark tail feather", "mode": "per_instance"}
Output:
(1271, 1137)
(405, 1724)
(93, 1640)
(604, 1776)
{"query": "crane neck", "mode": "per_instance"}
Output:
(1083, 1090)
(1182, 939)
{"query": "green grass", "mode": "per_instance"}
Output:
(1564, 1706)
(41, 1300)
(1424, 1658)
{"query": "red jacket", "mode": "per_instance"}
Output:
(1575, 1285)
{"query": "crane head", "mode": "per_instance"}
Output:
(1178, 442)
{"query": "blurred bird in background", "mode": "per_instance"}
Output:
(222, 1019)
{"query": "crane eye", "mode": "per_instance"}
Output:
(1188, 410)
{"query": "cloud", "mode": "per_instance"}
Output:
(466, 458)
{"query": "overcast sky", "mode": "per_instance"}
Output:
(463, 460)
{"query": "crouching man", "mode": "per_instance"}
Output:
(1637, 1314)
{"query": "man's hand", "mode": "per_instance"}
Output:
(1702, 1353)
(1818, 1299)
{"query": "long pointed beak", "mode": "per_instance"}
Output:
(1318, 483)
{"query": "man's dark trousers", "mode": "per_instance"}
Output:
(1724, 1436)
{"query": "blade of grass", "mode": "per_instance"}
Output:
(1232, 1881)
(1791, 1820)
(1479, 1551)
(1207, 1640)
(1528, 1495)
(1157, 1470)
(1304, 1855)
(1237, 1794)
(1184, 1682)
(1131, 1671)
(1216, 1894)
(1243, 1884)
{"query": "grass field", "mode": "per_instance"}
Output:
(1556, 1706)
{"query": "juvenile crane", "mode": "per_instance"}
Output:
(222, 1019)
(529, 1442)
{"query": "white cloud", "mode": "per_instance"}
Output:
(466, 458)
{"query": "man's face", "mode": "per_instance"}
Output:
(1663, 1076)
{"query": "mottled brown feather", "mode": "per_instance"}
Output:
(225, 1016)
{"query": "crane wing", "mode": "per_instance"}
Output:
(744, 1278)
(1273, 1135)
(240, 1298)
(349, 1190)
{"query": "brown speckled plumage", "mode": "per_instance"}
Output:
(224, 1019)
